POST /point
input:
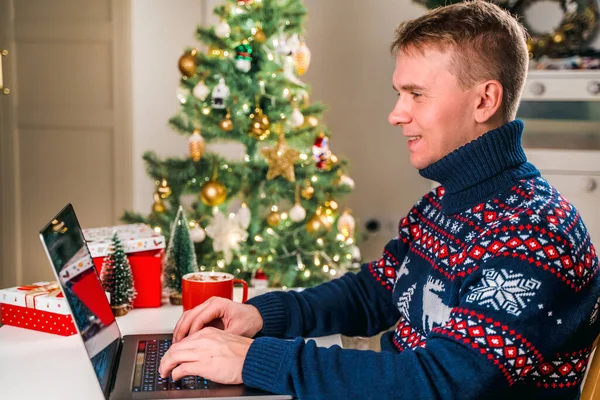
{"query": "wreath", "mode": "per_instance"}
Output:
(576, 29)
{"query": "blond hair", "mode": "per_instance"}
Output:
(487, 43)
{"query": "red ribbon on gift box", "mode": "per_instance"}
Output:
(51, 289)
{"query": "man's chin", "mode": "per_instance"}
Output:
(419, 163)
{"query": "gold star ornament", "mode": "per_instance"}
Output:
(281, 160)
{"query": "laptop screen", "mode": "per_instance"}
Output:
(76, 274)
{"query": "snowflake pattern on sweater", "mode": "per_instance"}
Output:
(487, 271)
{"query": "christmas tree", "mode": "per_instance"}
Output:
(117, 278)
(180, 258)
(276, 209)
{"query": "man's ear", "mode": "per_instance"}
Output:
(488, 101)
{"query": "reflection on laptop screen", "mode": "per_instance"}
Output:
(74, 268)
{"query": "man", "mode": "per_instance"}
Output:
(492, 280)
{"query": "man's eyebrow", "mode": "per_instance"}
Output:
(410, 87)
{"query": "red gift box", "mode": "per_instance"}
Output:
(145, 251)
(40, 307)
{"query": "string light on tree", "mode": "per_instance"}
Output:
(182, 94)
(163, 189)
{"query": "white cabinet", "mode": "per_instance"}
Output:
(562, 85)
(576, 175)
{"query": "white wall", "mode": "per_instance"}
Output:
(351, 72)
(161, 29)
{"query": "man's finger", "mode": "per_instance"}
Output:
(212, 312)
(178, 324)
(189, 368)
(175, 357)
(184, 322)
(187, 319)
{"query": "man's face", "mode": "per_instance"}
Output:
(436, 115)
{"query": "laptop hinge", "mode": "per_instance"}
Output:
(114, 369)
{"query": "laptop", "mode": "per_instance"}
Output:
(126, 366)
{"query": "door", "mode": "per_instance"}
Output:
(65, 133)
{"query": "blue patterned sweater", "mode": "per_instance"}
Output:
(492, 286)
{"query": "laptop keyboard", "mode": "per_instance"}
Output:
(146, 377)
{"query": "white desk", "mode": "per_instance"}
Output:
(36, 365)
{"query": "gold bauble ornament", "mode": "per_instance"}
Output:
(226, 124)
(164, 190)
(213, 193)
(196, 145)
(273, 218)
(260, 127)
(307, 191)
(318, 222)
(187, 63)
(158, 206)
(259, 36)
(314, 224)
(281, 160)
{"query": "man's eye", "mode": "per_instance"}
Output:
(415, 94)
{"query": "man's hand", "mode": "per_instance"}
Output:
(236, 318)
(211, 353)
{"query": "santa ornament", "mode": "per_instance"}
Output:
(321, 152)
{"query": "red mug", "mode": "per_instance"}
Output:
(197, 287)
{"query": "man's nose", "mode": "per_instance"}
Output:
(399, 115)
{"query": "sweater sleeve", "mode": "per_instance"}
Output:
(354, 305)
(498, 336)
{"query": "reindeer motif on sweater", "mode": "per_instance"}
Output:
(434, 311)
